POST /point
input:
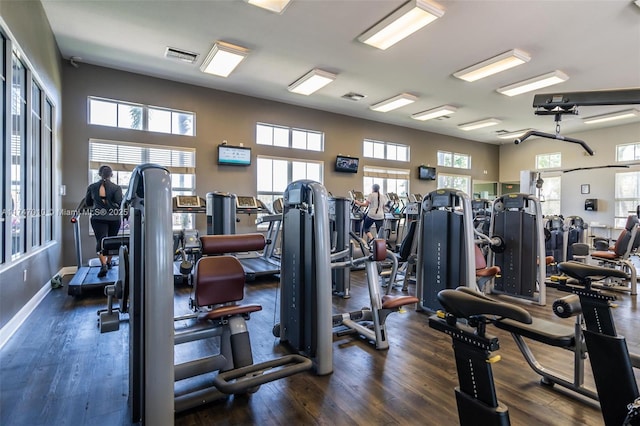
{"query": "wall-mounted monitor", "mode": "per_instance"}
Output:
(426, 173)
(347, 164)
(234, 155)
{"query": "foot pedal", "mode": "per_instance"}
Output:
(109, 321)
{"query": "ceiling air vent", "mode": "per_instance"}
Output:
(180, 55)
(352, 96)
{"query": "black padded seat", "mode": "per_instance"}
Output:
(582, 271)
(465, 303)
(547, 332)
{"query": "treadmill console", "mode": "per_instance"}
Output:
(278, 205)
(187, 201)
(188, 204)
(243, 202)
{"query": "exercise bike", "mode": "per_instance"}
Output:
(611, 362)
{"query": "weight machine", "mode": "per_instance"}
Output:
(517, 220)
(446, 252)
(558, 104)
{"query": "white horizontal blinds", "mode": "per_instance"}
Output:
(16, 142)
(123, 156)
(386, 173)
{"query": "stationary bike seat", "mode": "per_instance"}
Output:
(466, 303)
(582, 271)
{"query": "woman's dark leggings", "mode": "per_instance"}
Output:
(368, 222)
(104, 228)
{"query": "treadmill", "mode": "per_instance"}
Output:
(86, 277)
(267, 262)
(186, 242)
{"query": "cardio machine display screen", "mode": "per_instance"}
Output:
(246, 203)
(187, 201)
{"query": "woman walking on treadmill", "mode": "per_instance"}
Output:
(376, 202)
(105, 198)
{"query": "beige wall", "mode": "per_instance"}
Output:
(25, 23)
(514, 158)
(225, 116)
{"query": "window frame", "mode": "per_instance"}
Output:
(34, 167)
(619, 221)
(454, 158)
(547, 198)
(550, 158)
(145, 111)
(180, 220)
(291, 132)
(18, 173)
(386, 148)
(385, 176)
(636, 152)
(269, 196)
(454, 176)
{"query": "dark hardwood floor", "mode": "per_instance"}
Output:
(59, 370)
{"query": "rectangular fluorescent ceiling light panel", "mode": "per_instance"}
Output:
(497, 64)
(311, 82)
(401, 23)
(511, 135)
(479, 124)
(223, 59)
(534, 83)
(434, 113)
(620, 115)
(394, 103)
(276, 6)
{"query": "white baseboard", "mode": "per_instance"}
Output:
(68, 270)
(14, 323)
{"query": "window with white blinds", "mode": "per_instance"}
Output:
(123, 157)
(390, 180)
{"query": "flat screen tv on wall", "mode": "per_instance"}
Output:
(234, 155)
(347, 164)
(426, 173)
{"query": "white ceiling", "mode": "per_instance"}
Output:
(595, 42)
